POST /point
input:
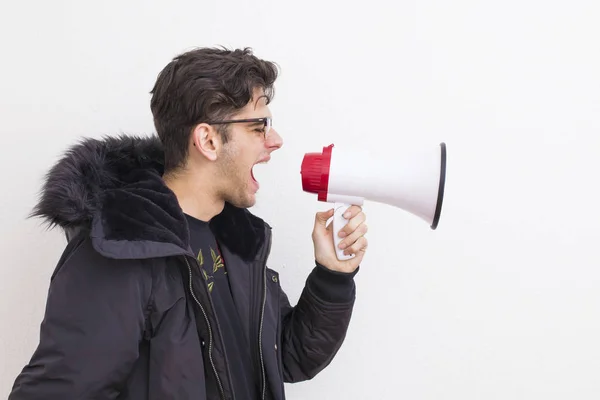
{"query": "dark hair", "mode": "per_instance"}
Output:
(201, 85)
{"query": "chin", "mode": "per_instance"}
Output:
(250, 201)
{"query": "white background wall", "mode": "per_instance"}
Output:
(501, 302)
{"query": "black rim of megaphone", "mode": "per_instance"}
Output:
(440, 199)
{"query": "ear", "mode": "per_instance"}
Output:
(206, 141)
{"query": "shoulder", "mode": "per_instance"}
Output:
(159, 281)
(80, 264)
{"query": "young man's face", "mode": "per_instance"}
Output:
(247, 147)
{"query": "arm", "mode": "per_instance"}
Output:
(93, 323)
(315, 329)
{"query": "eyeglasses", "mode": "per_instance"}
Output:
(266, 121)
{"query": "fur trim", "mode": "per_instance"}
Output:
(113, 188)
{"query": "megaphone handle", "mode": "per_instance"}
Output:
(338, 223)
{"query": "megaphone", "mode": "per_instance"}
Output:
(412, 179)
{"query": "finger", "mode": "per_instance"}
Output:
(352, 211)
(360, 246)
(354, 236)
(352, 224)
(359, 256)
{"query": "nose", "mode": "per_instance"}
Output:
(274, 140)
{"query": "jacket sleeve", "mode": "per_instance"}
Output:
(89, 336)
(314, 330)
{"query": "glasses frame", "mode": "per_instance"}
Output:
(267, 122)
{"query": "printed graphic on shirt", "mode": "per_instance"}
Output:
(217, 267)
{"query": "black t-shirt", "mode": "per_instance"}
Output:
(214, 272)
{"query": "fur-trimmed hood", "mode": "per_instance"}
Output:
(113, 189)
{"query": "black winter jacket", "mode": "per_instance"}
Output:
(128, 315)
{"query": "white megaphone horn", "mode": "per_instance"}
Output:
(413, 179)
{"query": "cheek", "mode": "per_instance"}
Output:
(242, 166)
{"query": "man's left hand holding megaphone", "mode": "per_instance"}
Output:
(353, 239)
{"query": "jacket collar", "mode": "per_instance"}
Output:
(113, 189)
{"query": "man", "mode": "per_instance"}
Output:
(163, 291)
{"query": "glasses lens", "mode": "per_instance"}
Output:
(268, 124)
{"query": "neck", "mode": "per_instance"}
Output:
(196, 197)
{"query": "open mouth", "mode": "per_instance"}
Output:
(252, 170)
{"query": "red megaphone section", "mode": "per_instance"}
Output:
(315, 172)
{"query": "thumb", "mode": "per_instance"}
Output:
(322, 217)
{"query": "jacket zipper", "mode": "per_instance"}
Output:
(209, 329)
(262, 316)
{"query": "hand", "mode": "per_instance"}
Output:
(354, 240)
